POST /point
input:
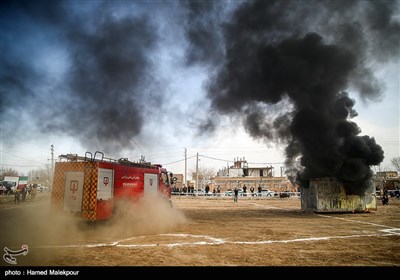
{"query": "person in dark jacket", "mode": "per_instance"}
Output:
(24, 192)
(385, 198)
(236, 194)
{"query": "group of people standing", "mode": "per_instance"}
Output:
(21, 193)
(236, 192)
(215, 191)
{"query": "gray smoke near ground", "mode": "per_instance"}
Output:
(310, 55)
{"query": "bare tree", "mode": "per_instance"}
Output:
(8, 172)
(396, 163)
(40, 176)
(205, 174)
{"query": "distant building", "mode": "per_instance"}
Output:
(240, 169)
(179, 183)
(387, 174)
(386, 180)
(241, 174)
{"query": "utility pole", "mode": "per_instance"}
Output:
(197, 173)
(185, 181)
(52, 165)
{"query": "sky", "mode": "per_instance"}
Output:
(311, 86)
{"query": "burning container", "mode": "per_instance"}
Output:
(329, 195)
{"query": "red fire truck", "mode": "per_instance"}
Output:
(90, 186)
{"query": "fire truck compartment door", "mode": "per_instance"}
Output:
(73, 190)
(150, 184)
(105, 183)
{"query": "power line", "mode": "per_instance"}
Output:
(23, 165)
(216, 158)
(21, 157)
(178, 160)
(265, 163)
(224, 160)
(17, 134)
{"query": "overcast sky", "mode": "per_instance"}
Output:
(271, 81)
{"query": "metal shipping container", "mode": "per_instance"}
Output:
(329, 195)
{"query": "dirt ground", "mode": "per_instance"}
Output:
(204, 232)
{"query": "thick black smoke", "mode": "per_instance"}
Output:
(108, 82)
(109, 65)
(309, 54)
(203, 31)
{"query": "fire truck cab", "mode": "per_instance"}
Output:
(90, 186)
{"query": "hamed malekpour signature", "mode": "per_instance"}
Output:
(9, 256)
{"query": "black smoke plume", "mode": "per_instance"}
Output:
(307, 55)
(107, 84)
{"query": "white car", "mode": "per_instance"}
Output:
(231, 193)
(267, 193)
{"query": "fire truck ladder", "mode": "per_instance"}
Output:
(90, 189)
(96, 158)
